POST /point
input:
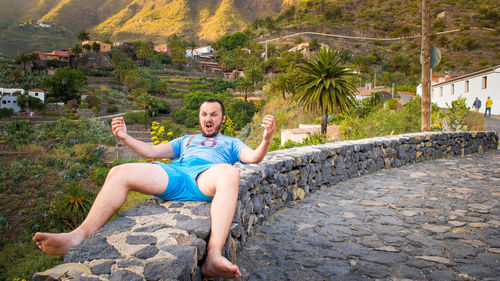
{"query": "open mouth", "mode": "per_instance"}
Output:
(209, 126)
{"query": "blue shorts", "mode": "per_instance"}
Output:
(182, 181)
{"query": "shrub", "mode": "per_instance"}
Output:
(457, 117)
(134, 117)
(19, 132)
(384, 122)
(73, 203)
(6, 112)
(100, 174)
(112, 109)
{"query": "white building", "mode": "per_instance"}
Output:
(206, 51)
(480, 84)
(37, 93)
(10, 91)
(9, 101)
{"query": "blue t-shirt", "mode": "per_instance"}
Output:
(199, 152)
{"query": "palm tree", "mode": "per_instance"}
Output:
(83, 36)
(284, 83)
(77, 50)
(322, 85)
(145, 102)
(314, 44)
(246, 86)
(22, 59)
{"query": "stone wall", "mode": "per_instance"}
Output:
(160, 240)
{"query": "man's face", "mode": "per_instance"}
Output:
(211, 118)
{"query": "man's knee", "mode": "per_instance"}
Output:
(118, 173)
(229, 172)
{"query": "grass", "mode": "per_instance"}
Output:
(22, 260)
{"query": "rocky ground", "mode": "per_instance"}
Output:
(438, 220)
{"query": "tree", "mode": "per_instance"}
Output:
(27, 60)
(16, 76)
(161, 86)
(231, 41)
(178, 51)
(314, 44)
(322, 85)
(284, 83)
(143, 51)
(96, 47)
(77, 50)
(83, 36)
(145, 102)
(66, 84)
(246, 86)
(254, 74)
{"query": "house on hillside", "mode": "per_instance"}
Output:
(105, 47)
(203, 52)
(481, 84)
(210, 68)
(37, 93)
(10, 101)
(368, 90)
(163, 49)
(60, 55)
(11, 91)
(305, 50)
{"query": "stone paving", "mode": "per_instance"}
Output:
(437, 220)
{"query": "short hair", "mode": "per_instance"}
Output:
(217, 101)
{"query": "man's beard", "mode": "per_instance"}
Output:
(216, 131)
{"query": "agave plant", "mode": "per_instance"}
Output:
(73, 203)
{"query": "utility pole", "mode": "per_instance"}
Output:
(425, 57)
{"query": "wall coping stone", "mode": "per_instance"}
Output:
(167, 240)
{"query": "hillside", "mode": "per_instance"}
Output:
(205, 21)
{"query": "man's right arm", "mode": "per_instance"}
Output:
(143, 149)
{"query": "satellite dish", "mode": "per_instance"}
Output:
(435, 56)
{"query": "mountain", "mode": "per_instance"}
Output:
(207, 20)
(123, 20)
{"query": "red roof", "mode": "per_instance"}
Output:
(36, 90)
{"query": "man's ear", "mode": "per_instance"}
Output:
(223, 119)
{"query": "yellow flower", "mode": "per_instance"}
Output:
(165, 141)
(153, 132)
(169, 133)
(154, 137)
(155, 123)
(156, 142)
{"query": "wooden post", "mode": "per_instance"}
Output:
(426, 66)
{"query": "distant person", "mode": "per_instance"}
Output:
(476, 104)
(489, 102)
(204, 172)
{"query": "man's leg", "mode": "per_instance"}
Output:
(141, 177)
(222, 183)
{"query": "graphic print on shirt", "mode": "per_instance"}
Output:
(208, 142)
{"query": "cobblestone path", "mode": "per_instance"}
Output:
(437, 220)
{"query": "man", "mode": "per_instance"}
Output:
(476, 104)
(204, 172)
(489, 102)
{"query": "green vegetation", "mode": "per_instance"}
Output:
(322, 85)
(65, 85)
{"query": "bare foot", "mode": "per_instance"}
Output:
(57, 243)
(218, 266)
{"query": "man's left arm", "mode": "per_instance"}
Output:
(251, 156)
